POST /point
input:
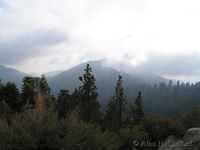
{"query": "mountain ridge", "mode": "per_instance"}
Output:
(69, 79)
(12, 75)
(106, 78)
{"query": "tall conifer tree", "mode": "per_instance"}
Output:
(120, 99)
(63, 103)
(45, 91)
(116, 106)
(29, 90)
(10, 94)
(89, 104)
(137, 112)
(112, 115)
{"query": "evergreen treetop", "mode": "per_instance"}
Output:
(89, 104)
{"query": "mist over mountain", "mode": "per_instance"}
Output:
(69, 79)
(157, 92)
(106, 78)
(53, 73)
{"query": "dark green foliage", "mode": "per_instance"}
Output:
(120, 99)
(159, 128)
(116, 108)
(137, 112)
(139, 107)
(170, 100)
(53, 102)
(29, 90)
(192, 119)
(75, 97)
(89, 104)
(111, 116)
(32, 129)
(129, 135)
(82, 136)
(45, 91)
(38, 129)
(74, 123)
(44, 87)
(64, 104)
(5, 112)
(10, 94)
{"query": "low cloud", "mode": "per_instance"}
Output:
(180, 64)
(184, 64)
(133, 36)
(37, 43)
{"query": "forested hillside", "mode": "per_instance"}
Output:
(165, 97)
(170, 100)
(105, 81)
(36, 119)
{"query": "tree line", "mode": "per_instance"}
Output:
(35, 119)
(170, 100)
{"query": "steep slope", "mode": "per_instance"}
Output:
(12, 75)
(106, 79)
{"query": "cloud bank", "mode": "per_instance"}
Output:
(157, 36)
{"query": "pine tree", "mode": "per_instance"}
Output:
(29, 90)
(75, 99)
(111, 117)
(10, 94)
(63, 103)
(137, 112)
(139, 106)
(66, 103)
(89, 104)
(44, 87)
(116, 106)
(120, 99)
(45, 91)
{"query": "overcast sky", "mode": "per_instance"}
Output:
(161, 36)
